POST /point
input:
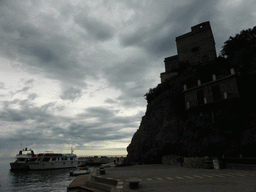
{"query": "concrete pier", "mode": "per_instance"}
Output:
(168, 178)
(92, 183)
(160, 177)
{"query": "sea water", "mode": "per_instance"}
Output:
(26, 181)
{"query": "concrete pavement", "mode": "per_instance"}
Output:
(159, 177)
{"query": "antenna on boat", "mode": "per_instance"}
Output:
(72, 150)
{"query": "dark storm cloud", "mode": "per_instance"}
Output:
(12, 116)
(49, 129)
(100, 112)
(39, 47)
(29, 82)
(110, 101)
(71, 43)
(71, 94)
(41, 51)
(32, 96)
(24, 89)
(108, 118)
(156, 32)
(158, 38)
(54, 57)
(28, 85)
(96, 29)
(89, 134)
(131, 78)
(2, 85)
(25, 112)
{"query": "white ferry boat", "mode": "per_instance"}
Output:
(22, 159)
(54, 161)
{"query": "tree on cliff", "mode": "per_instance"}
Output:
(244, 40)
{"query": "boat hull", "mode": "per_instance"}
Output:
(79, 172)
(19, 166)
(53, 165)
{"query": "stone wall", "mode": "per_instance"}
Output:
(194, 162)
(171, 160)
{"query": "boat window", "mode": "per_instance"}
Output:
(71, 158)
(33, 159)
(21, 159)
(46, 159)
(54, 159)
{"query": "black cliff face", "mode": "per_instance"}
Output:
(225, 128)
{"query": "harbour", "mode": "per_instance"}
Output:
(54, 180)
(33, 180)
(165, 178)
(154, 177)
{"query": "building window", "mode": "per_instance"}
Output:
(216, 92)
(200, 97)
(198, 82)
(185, 87)
(214, 77)
(232, 71)
(225, 95)
(188, 105)
(195, 49)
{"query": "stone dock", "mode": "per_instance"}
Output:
(160, 177)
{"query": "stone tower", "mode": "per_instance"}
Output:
(195, 47)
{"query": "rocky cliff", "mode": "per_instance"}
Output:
(168, 129)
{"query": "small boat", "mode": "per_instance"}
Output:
(80, 171)
(23, 159)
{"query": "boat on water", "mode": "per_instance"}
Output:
(22, 159)
(54, 161)
(27, 159)
(80, 171)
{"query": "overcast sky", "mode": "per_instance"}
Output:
(75, 72)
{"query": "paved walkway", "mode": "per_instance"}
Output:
(172, 178)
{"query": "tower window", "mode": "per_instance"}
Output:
(200, 97)
(195, 49)
(216, 92)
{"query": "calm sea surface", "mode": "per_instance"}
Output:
(40, 181)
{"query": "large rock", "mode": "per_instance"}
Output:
(167, 128)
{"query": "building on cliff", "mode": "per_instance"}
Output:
(197, 49)
(204, 105)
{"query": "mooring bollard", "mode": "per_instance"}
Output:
(102, 170)
(133, 182)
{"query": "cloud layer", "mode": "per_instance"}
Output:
(75, 72)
